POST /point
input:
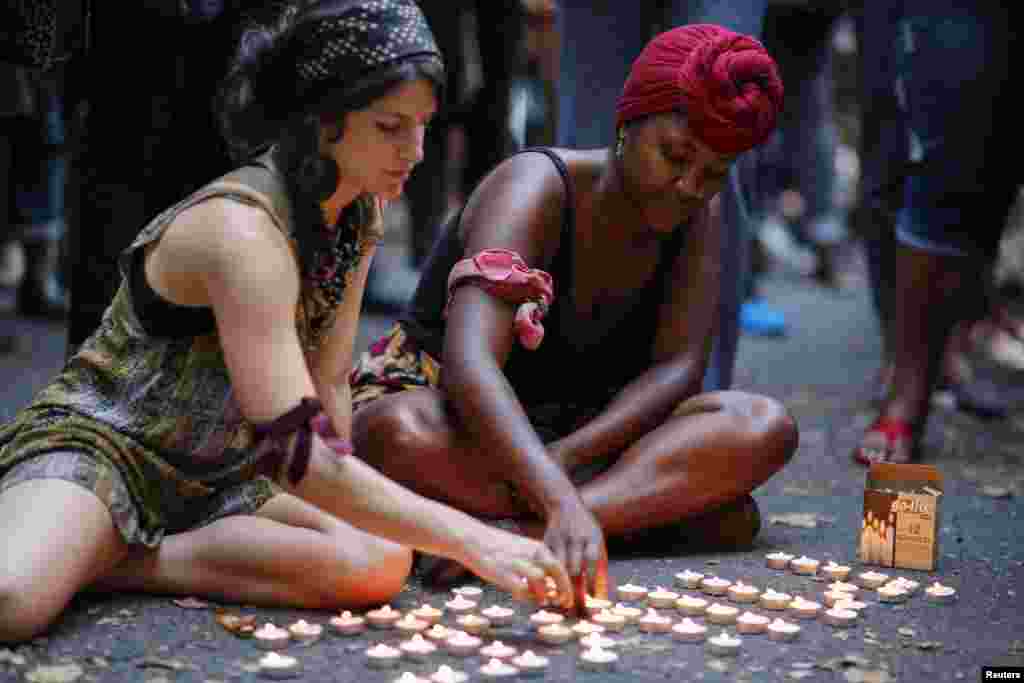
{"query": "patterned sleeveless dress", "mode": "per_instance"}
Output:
(143, 415)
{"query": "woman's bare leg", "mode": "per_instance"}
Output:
(57, 537)
(288, 554)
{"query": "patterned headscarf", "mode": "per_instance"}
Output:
(727, 84)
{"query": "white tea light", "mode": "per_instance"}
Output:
(346, 624)
(661, 598)
(270, 637)
(276, 666)
(689, 579)
(382, 656)
(724, 645)
(689, 631)
(749, 623)
(782, 630)
(778, 560)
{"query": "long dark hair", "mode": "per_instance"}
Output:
(257, 111)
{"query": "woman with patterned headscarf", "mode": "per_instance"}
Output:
(197, 443)
(549, 369)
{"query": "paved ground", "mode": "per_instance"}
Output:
(813, 507)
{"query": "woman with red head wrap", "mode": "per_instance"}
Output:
(550, 366)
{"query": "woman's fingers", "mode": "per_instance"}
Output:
(556, 570)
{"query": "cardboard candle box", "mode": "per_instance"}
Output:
(900, 527)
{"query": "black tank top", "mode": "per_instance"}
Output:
(568, 366)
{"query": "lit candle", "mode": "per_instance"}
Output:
(778, 560)
(382, 656)
(498, 615)
(891, 593)
(782, 630)
(496, 668)
(598, 659)
(712, 585)
(689, 579)
(594, 605)
(410, 624)
(652, 622)
(632, 593)
(585, 628)
(384, 617)
(462, 644)
(498, 650)
(469, 592)
(273, 665)
(722, 614)
(689, 631)
(609, 620)
(446, 674)
(832, 597)
(428, 613)
(270, 637)
(694, 606)
(836, 572)
(804, 609)
(939, 593)
(410, 677)
(474, 624)
(839, 617)
(305, 633)
(750, 623)
(742, 592)
(872, 580)
(546, 618)
(850, 588)
(554, 634)
(630, 614)
(597, 640)
(724, 645)
(661, 598)
(438, 633)
(804, 565)
(771, 599)
(855, 605)
(461, 605)
(417, 647)
(908, 585)
(346, 624)
(530, 664)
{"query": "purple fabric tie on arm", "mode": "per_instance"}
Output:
(304, 419)
(504, 274)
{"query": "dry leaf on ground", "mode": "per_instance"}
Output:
(65, 673)
(191, 603)
(803, 520)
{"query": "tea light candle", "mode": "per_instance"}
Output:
(428, 613)
(446, 674)
(724, 645)
(804, 609)
(689, 579)
(469, 592)
(609, 620)
(750, 623)
(498, 650)
(598, 659)
(461, 605)
(417, 647)
(438, 633)
(804, 565)
(661, 598)
(836, 572)
(270, 637)
(722, 614)
(410, 624)
(855, 605)
(891, 593)
(496, 668)
(632, 593)
(530, 664)
(939, 593)
(545, 618)
(778, 560)
(839, 617)
(597, 640)
(872, 580)
(273, 665)
(844, 587)
(742, 592)
(908, 585)
(585, 628)
(594, 605)
(498, 615)
(474, 624)
(782, 630)
(770, 599)
(384, 617)
(382, 656)
(346, 624)
(305, 633)
(462, 644)
(410, 677)
(712, 585)
(694, 606)
(689, 631)
(554, 634)
(652, 622)
(832, 597)
(630, 614)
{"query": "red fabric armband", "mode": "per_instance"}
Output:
(303, 420)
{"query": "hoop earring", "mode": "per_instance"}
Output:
(621, 139)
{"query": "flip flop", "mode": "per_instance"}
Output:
(892, 429)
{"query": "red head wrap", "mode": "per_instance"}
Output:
(726, 83)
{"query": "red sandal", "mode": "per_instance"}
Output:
(893, 428)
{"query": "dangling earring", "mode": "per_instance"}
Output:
(619, 142)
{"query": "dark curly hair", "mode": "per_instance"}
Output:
(259, 107)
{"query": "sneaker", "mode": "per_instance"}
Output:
(761, 320)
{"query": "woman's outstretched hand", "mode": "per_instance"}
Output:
(576, 540)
